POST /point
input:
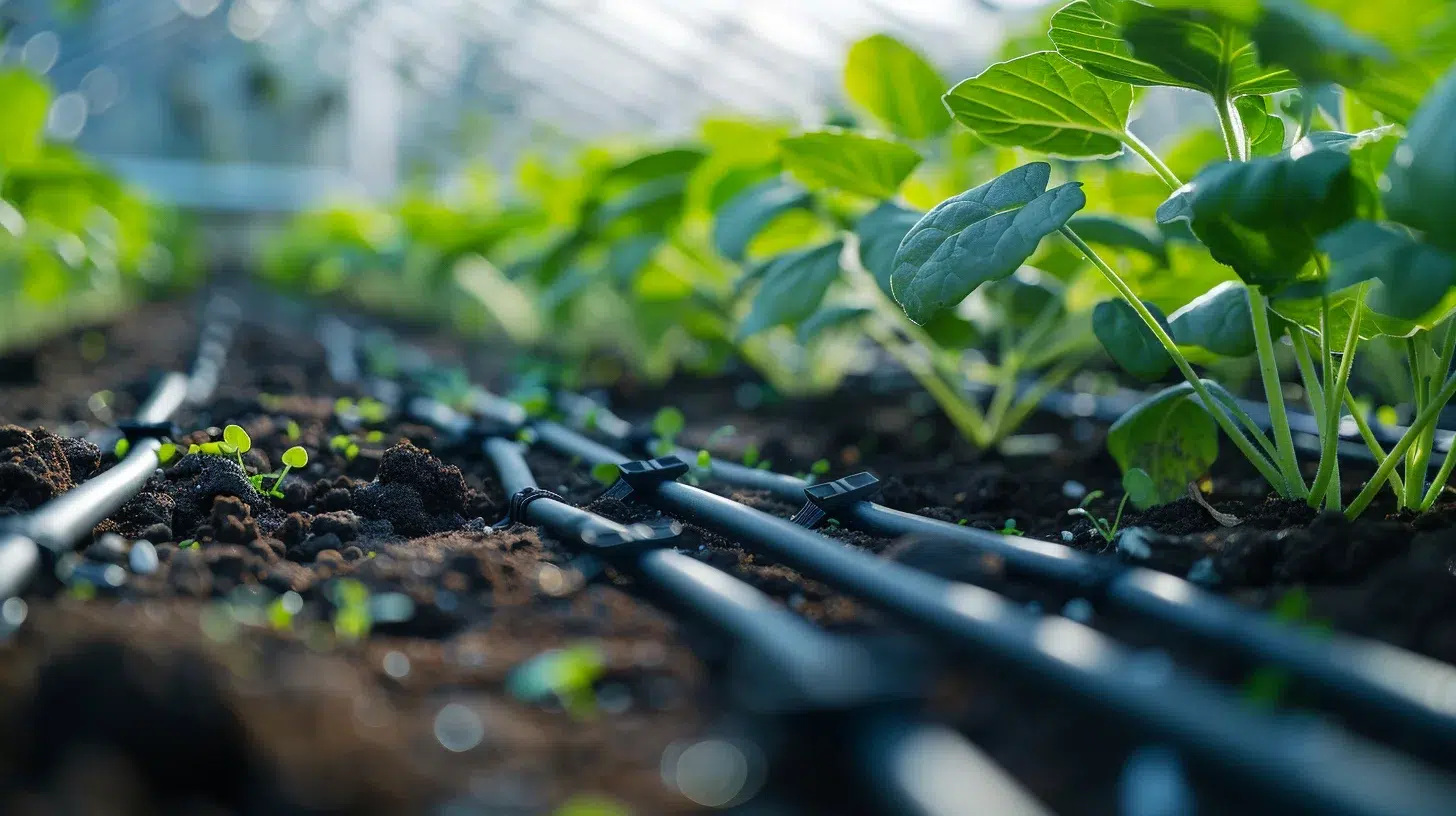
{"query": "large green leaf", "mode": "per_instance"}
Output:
(1047, 103)
(844, 160)
(1422, 173)
(828, 318)
(1261, 217)
(1170, 436)
(1397, 88)
(1218, 320)
(981, 235)
(880, 232)
(1129, 341)
(1300, 306)
(1314, 45)
(676, 161)
(1142, 45)
(1413, 274)
(792, 288)
(24, 102)
(895, 84)
(747, 213)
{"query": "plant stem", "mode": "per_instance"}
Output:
(1427, 416)
(1415, 460)
(1274, 394)
(1235, 142)
(1033, 397)
(1336, 383)
(1442, 476)
(1141, 148)
(1310, 376)
(1397, 486)
(1216, 409)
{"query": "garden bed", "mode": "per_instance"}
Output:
(301, 716)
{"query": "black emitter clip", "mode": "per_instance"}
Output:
(828, 499)
(640, 475)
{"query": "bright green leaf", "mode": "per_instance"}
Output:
(981, 235)
(606, 473)
(844, 160)
(295, 457)
(1171, 437)
(792, 288)
(1047, 103)
(1218, 321)
(24, 102)
(1129, 341)
(1140, 488)
(1264, 130)
(749, 212)
(238, 438)
(668, 423)
(897, 85)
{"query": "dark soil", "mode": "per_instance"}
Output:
(191, 688)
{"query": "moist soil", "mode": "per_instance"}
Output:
(233, 674)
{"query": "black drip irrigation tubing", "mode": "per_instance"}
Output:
(35, 541)
(1300, 762)
(784, 668)
(1380, 687)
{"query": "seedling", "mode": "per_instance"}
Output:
(606, 473)
(167, 452)
(1009, 528)
(666, 425)
(820, 467)
(750, 455)
(123, 445)
(344, 445)
(292, 431)
(294, 457)
(237, 439)
(187, 544)
(1100, 523)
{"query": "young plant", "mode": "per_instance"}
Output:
(238, 439)
(1107, 530)
(1306, 229)
(666, 425)
(293, 458)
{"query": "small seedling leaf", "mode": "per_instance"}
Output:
(981, 235)
(1129, 341)
(1141, 490)
(237, 438)
(606, 473)
(295, 457)
(668, 423)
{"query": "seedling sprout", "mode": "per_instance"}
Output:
(294, 457)
(238, 439)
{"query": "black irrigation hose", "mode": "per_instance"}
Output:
(1302, 763)
(1382, 686)
(786, 665)
(41, 536)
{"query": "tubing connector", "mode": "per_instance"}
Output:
(640, 475)
(824, 500)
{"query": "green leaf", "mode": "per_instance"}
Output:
(830, 318)
(1140, 488)
(1396, 89)
(981, 235)
(1129, 42)
(627, 258)
(1047, 103)
(1121, 234)
(24, 103)
(237, 437)
(880, 232)
(1219, 321)
(1413, 274)
(1129, 341)
(1300, 306)
(1422, 173)
(1205, 51)
(668, 423)
(1025, 296)
(1261, 216)
(951, 331)
(678, 161)
(844, 160)
(606, 473)
(897, 86)
(295, 457)
(1315, 46)
(792, 288)
(1264, 130)
(1171, 437)
(747, 213)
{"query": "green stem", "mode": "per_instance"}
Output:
(1274, 394)
(1427, 416)
(1214, 407)
(1442, 476)
(1141, 148)
(1336, 383)
(1448, 352)
(1415, 460)
(1310, 376)
(1397, 486)
(279, 483)
(1235, 142)
(1028, 402)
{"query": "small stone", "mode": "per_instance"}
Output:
(332, 557)
(108, 549)
(1074, 490)
(1068, 537)
(157, 532)
(143, 558)
(353, 553)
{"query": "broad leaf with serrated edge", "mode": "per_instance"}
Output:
(1170, 436)
(792, 288)
(1219, 320)
(1129, 341)
(895, 84)
(747, 213)
(844, 160)
(981, 235)
(1047, 103)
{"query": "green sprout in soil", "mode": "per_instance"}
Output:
(238, 439)
(122, 446)
(750, 455)
(666, 425)
(344, 445)
(167, 452)
(292, 431)
(352, 620)
(568, 675)
(606, 473)
(187, 544)
(1107, 530)
(1009, 528)
(293, 458)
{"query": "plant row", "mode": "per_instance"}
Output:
(1014, 225)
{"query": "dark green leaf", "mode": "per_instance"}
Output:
(1025, 296)
(895, 84)
(981, 235)
(1133, 43)
(1261, 217)
(1129, 341)
(743, 217)
(1218, 321)
(1121, 234)
(792, 288)
(1413, 274)
(1423, 171)
(880, 232)
(951, 331)
(830, 317)
(652, 206)
(1171, 437)
(1315, 46)
(1047, 103)
(627, 258)
(843, 160)
(1140, 488)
